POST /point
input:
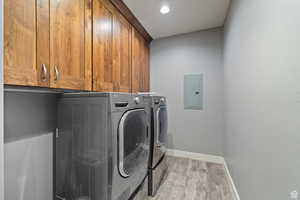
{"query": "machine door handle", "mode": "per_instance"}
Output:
(157, 126)
(147, 132)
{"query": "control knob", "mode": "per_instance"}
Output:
(137, 100)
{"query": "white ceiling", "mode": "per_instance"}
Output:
(184, 16)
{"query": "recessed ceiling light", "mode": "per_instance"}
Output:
(164, 9)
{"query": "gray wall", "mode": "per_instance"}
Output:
(28, 115)
(30, 120)
(171, 58)
(1, 102)
(262, 95)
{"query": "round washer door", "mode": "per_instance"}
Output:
(133, 142)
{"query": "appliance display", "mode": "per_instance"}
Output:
(102, 146)
(159, 127)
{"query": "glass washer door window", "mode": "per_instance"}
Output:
(133, 141)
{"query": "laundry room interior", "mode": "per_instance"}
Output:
(149, 99)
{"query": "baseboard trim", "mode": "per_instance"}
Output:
(237, 196)
(196, 156)
(205, 158)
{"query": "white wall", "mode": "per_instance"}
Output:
(1, 102)
(262, 95)
(173, 57)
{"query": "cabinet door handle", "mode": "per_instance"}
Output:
(44, 73)
(56, 73)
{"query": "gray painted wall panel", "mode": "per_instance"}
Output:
(262, 73)
(194, 53)
(28, 115)
(30, 120)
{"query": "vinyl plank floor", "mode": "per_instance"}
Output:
(195, 180)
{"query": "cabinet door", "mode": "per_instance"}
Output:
(146, 86)
(103, 71)
(69, 55)
(43, 42)
(136, 61)
(144, 67)
(122, 53)
(140, 63)
(22, 22)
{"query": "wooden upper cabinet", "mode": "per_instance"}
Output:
(29, 57)
(103, 72)
(140, 63)
(122, 53)
(20, 43)
(69, 41)
(111, 49)
(74, 44)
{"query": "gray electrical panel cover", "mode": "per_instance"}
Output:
(193, 92)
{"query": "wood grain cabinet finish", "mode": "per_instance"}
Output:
(73, 44)
(26, 38)
(122, 53)
(43, 43)
(20, 42)
(68, 35)
(111, 49)
(30, 58)
(103, 71)
(140, 63)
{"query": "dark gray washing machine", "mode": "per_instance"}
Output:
(159, 129)
(102, 146)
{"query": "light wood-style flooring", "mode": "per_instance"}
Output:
(195, 180)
